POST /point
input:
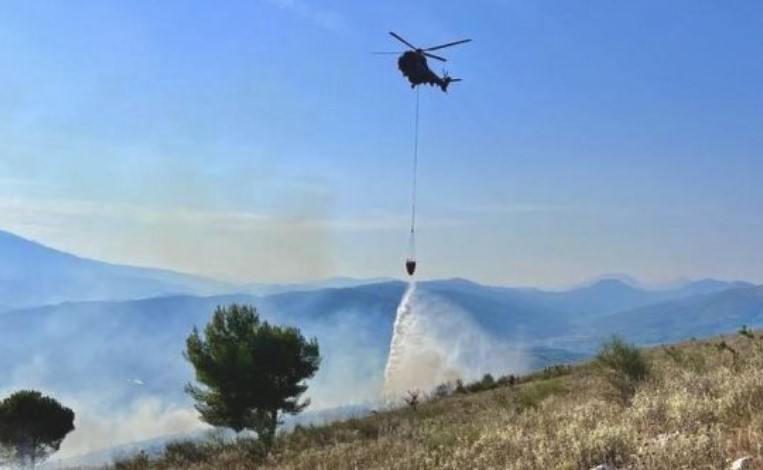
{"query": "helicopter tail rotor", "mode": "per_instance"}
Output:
(447, 80)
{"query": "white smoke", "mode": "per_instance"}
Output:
(435, 342)
(144, 419)
(350, 367)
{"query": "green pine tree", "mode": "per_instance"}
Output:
(249, 371)
(32, 426)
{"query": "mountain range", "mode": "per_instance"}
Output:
(32, 274)
(74, 326)
(47, 283)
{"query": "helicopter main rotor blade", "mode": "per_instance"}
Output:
(396, 36)
(455, 43)
(386, 52)
(443, 59)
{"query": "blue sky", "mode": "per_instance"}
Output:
(259, 140)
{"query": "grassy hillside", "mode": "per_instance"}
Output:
(702, 407)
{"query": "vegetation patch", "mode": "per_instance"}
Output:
(532, 394)
(691, 405)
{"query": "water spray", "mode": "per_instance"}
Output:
(400, 331)
(435, 342)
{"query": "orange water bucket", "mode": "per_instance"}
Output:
(410, 266)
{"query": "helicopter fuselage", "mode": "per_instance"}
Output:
(414, 67)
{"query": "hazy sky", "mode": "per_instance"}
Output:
(258, 140)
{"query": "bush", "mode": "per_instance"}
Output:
(531, 395)
(251, 450)
(486, 383)
(444, 390)
(746, 332)
(182, 453)
(139, 461)
(509, 380)
(624, 365)
(687, 359)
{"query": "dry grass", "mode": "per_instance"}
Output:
(702, 408)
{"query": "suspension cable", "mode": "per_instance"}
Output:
(415, 164)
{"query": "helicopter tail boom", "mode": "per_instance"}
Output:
(446, 80)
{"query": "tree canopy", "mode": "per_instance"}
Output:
(32, 426)
(249, 370)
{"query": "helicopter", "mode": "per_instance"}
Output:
(413, 64)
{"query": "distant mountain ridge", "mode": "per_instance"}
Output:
(611, 295)
(331, 283)
(697, 316)
(601, 298)
(68, 306)
(33, 274)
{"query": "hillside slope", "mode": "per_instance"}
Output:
(702, 408)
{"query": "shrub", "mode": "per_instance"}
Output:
(139, 461)
(531, 395)
(443, 390)
(460, 389)
(509, 380)
(687, 359)
(181, 453)
(412, 399)
(486, 383)
(608, 445)
(251, 450)
(746, 332)
(624, 365)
